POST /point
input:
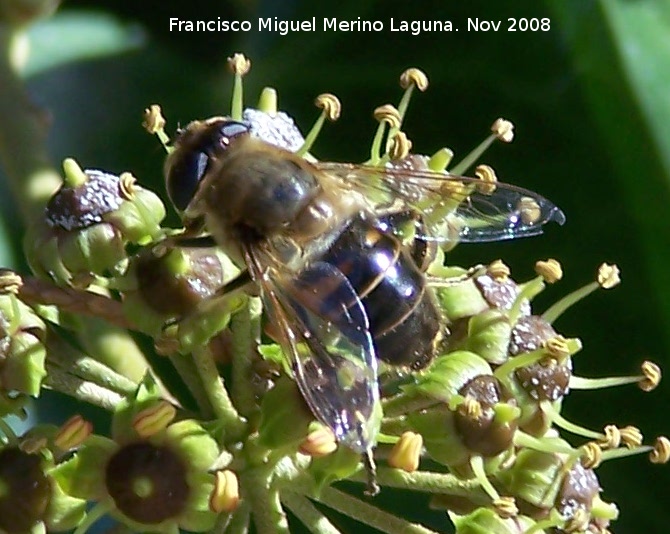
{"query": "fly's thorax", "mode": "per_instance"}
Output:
(256, 190)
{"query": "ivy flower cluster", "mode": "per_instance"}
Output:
(224, 438)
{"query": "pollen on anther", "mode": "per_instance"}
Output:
(550, 270)
(414, 76)
(503, 130)
(608, 276)
(652, 376)
(488, 179)
(389, 114)
(239, 64)
(330, 104)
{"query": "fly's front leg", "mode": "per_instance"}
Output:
(451, 281)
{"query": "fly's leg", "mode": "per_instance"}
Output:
(207, 319)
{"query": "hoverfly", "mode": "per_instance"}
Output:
(319, 239)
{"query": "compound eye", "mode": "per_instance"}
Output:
(196, 149)
(183, 177)
(230, 130)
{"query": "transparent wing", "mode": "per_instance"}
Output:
(324, 331)
(452, 207)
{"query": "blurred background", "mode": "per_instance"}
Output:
(589, 99)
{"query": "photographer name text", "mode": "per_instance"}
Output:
(415, 27)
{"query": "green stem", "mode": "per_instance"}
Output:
(269, 517)
(308, 514)
(80, 389)
(426, 481)
(93, 515)
(71, 360)
(216, 392)
(244, 328)
(239, 522)
(368, 514)
(187, 371)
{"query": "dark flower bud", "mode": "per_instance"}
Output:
(88, 222)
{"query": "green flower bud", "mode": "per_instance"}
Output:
(285, 417)
(461, 300)
(164, 283)
(535, 477)
(489, 335)
(88, 223)
(447, 375)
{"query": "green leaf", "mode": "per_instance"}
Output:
(74, 36)
(621, 51)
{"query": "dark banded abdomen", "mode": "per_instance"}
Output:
(404, 320)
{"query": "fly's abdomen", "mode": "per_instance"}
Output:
(404, 321)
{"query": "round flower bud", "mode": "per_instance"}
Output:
(25, 490)
(147, 482)
(88, 223)
(285, 417)
(278, 129)
(484, 430)
(166, 282)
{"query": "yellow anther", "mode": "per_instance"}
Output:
(319, 442)
(503, 130)
(470, 407)
(388, 114)
(612, 437)
(330, 105)
(127, 183)
(661, 452)
(154, 419)
(652, 376)
(506, 507)
(631, 436)
(578, 522)
(406, 453)
(498, 270)
(154, 121)
(529, 210)
(225, 496)
(400, 146)
(10, 282)
(550, 270)
(591, 455)
(488, 177)
(416, 77)
(73, 433)
(558, 347)
(608, 276)
(239, 64)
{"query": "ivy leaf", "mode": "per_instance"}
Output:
(621, 51)
(69, 37)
